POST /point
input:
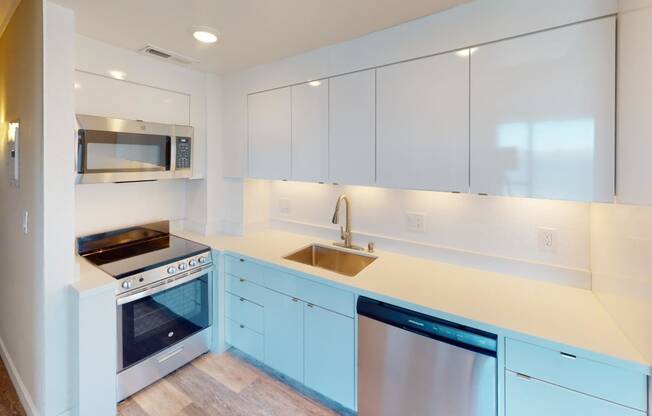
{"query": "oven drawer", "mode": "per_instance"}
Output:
(244, 339)
(244, 312)
(576, 373)
(240, 286)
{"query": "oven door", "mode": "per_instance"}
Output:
(158, 316)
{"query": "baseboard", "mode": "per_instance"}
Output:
(515, 267)
(23, 395)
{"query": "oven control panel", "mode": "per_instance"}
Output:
(175, 269)
(184, 152)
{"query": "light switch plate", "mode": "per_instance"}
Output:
(416, 222)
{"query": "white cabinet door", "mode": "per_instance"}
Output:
(531, 397)
(310, 131)
(542, 114)
(270, 134)
(634, 107)
(107, 97)
(352, 126)
(422, 122)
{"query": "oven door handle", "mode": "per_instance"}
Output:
(161, 287)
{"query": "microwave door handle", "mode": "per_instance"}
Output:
(161, 287)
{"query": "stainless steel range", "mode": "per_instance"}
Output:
(164, 299)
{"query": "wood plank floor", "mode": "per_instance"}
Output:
(215, 385)
(9, 402)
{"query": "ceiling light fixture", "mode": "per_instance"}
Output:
(205, 34)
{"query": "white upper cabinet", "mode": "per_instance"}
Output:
(542, 114)
(107, 97)
(635, 107)
(270, 134)
(423, 123)
(352, 126)
(310, 131)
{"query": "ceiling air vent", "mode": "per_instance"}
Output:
(166, 55)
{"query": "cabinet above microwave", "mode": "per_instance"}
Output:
(116, 150)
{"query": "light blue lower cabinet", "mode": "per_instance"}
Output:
(244, 339)
(284, 334)
(532, 397)
(329, 345)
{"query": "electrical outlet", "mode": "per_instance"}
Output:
(284, 206)
(416, 222)
(547, 239)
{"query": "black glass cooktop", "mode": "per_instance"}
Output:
(134, 250)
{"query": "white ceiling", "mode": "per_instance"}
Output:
(252, 31)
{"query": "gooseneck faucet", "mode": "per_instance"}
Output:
(345, 232)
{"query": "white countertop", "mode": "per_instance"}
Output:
(509, 305)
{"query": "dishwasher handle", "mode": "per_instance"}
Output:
(428, 326)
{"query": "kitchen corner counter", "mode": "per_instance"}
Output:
(510, 306)
(90, 279)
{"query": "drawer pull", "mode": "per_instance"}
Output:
(523, 376)
(310, 305)
(242, 260)
(242, 280)
(170, 355)
(242, 299)
(567, 355)
(295, 300)
(242, 326)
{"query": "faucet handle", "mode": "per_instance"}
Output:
(342, 233)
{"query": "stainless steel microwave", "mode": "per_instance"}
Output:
(116, 150)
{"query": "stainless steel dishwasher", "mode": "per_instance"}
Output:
(415, 365)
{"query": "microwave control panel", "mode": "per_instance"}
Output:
(183, 153)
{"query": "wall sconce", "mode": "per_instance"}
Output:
(13, 136)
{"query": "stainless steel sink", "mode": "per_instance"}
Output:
(339, 261)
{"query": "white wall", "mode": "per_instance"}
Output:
(21, 255)
(59, 200)
(621, 261)
(492, 233)
(108, 206)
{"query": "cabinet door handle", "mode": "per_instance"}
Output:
(295, 300)
(567, 355)
(523, 376)
(242, 326)
(242, 280)
(242, 260)
(242, 299)
(310, 305)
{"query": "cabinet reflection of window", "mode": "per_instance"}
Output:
(537, 156)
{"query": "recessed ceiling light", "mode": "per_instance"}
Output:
(204, 34)
(117, 74)
(314, 83)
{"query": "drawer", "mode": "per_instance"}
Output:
(583, 375)
(244, 268)
(240, 286)
(244, 312)
(532, 397)
(328, 297)
(244, 339)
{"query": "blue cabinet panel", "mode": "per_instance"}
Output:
(284, 334)
(329, 342)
